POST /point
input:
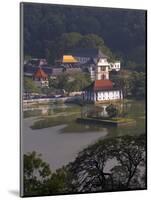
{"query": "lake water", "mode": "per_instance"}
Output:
(61, 143)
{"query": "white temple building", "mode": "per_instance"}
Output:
(102, 88)
(103, 67)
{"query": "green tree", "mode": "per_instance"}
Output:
(36, 173)
(112, 110)
(78, 83)
(68, 41)
(62, 80)
(62, 44)
(124, 83)
(91, 41)
(138, 89)
(124, 31)
(38, 178)
(70, 83)
(29, 86)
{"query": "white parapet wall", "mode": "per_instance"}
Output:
(115, 66)
(108, 95)
(102, 96)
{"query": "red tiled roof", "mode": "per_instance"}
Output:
(40, 74)
(102, 84)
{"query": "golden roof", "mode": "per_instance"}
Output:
(69, 59)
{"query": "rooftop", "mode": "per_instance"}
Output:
(69, 59)
(103, 84)
(100, 85)
(88, 52)
(40, 74)
(31, 69)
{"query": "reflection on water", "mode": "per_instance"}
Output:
(60, 144)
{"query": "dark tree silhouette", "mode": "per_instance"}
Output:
(108, 165)
(112, 164)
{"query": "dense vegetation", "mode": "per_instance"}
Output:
(132, 85)
(91, 170)
(51, 30)
(29, 86)
(38, 178)
(74, 82)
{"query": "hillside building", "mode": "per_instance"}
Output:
(41, 78)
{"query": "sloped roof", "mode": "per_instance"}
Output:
(100, 85)
(40, 74)
(91, 61)
(103, 84)
(69, 59)
(31, 69)
(88, 52)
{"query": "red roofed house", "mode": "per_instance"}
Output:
(40, 78)
(102, 89)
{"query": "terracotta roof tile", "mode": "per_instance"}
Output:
(40, 74)
(102, 84)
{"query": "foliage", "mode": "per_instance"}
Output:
(31, 113)
(132, 85)
(54, 121)
(68, 41)
(36, 173)
(70, 83)
(29, 86)
(92, 170)
(80, 81)
(123, 83)
(138, 87)
(112, 110)
(49, 30)
(38, 178)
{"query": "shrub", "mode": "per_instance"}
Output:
(112, 110)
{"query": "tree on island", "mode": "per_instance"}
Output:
(112, 110)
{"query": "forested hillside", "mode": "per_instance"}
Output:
(51, 30)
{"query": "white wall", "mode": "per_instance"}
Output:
(115, 66)
(102, 95)
(103, 62)
(108, 95)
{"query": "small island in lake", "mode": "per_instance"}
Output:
(103, 90)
